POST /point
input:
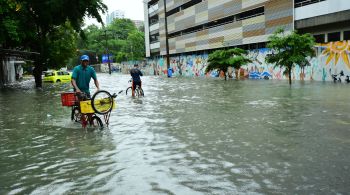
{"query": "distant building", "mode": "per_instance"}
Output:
(115, 14)
(138, 23)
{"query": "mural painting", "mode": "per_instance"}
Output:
(332, 60)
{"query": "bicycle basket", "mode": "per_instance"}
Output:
(68, 99)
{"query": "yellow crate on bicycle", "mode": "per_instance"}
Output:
(86, 106)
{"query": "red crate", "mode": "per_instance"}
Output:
(68, 99)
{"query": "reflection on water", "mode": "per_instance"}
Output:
(186, 136)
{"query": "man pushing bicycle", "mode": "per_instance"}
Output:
(136, 80)
(82, 75)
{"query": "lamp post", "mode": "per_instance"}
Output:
(109, 63)
(166, 36)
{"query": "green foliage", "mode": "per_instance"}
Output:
(222, 59)
(290, 49)
(62, 41)
(41, 26)
(123, 40)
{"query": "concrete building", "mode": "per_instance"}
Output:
(200, 25)
(138, 23)
(180, 34)
(327, 20)
(115, 14)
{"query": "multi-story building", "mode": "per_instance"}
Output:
(327, 20)
(138, 23)
(115, 14)
(195, 27)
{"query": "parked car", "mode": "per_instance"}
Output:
(57, 76)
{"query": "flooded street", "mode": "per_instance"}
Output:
(186, 136)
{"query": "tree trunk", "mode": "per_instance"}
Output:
(236, 73)
(290, 76)
(37, 74)
(39, 63)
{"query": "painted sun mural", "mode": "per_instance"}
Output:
(337, 50)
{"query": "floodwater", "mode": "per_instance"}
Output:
(186, 136)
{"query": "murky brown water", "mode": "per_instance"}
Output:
(186, 136)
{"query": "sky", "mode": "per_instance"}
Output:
(133, 10)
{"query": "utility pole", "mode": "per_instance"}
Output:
(109, 64)
(166, 36)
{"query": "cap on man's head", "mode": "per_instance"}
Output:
(136, 65)
(84, 57)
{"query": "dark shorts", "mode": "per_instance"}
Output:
(134, 83)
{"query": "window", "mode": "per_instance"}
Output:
(335, 36)
(320, 38)
(154, 38)
(251, 13)
(346, 35)
(300, 3)
(153, 20)
(222, 21)
(48, 74)
(182, 7)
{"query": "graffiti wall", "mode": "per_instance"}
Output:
(331, 59)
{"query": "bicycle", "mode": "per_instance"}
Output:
(138, 90)
(337, 78)
(84, 110)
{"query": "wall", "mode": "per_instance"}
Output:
(8, 72)
(331, 58)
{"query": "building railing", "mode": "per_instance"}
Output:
(306, 2)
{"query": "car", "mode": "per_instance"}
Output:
(57, 76)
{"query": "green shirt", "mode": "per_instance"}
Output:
(82, 77)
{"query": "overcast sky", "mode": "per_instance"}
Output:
(133, 9)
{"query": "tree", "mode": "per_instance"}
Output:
(222, 59)
(31, 25)
(62, 46)
(289, 50)
(136, 40)
(121, 37)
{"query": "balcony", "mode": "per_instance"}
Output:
(155, 45)
(154, 27)
(301, 3)
(153, 9)
(321, 8)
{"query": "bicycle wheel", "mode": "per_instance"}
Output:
(137, 92)
(128, 90)
(141, 90)
(95, 121)
(75, 114)
(102, 102)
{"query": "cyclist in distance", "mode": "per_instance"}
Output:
(82, 75)
(136, 80)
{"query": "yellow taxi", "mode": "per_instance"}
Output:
(57, 76)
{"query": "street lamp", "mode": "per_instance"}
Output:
(166, 35)
(109, 63)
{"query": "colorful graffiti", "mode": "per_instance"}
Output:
(331, 59)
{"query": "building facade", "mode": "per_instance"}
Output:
(115, 14)
(178, 28)
(138, 23)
